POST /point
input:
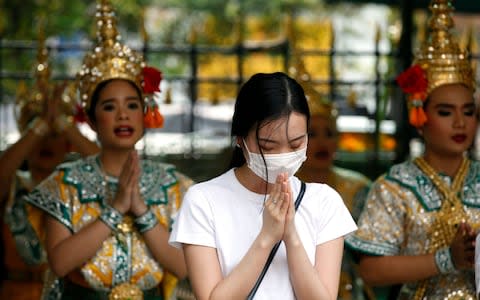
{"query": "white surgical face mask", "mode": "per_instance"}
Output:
(288, 162)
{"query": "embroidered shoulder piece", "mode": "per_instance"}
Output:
(155, 181)
(408, 175)
(86, 175)
(472, 185)
(48, 197)
(17, 219)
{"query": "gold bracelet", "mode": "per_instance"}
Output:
(39, 127)
(62, 122)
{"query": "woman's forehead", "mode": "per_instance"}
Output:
(452, 93)
(291, 126)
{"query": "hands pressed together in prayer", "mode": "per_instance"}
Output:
(128, 198)
(463, 247)
(279, 213)
(53, 119)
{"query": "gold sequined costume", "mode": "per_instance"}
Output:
(412, 210)
(400, 218)
(75, 195)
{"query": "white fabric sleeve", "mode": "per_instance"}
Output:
(336, 220)
(194, 223)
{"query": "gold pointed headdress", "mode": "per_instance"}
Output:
(441, 56)
(31, 102)
(439, 61)
(109, 59)
(317, 103)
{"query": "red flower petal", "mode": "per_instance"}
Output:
(80, 116)
(413, 80)
(151, 80)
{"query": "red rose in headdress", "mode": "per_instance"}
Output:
(413, 80)
(79, 116)
(151, 80)
(151, 84)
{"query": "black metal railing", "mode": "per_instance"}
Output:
(192, 53)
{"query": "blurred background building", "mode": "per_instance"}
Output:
(207, 49)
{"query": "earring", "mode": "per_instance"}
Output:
(236, 141)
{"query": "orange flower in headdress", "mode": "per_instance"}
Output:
(153, 118)
(413, 81)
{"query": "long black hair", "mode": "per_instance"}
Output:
(265, 97)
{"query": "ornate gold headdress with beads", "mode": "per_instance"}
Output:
(439, 61)
(31, 102)
(317, 103)
(110, 59)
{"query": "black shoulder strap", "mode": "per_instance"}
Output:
(274, 249)
(300, 195)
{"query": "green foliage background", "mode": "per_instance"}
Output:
(22, 20)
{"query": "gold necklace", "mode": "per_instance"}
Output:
(450, 214)
(450, 193)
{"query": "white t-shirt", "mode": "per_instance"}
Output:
(221, 213)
